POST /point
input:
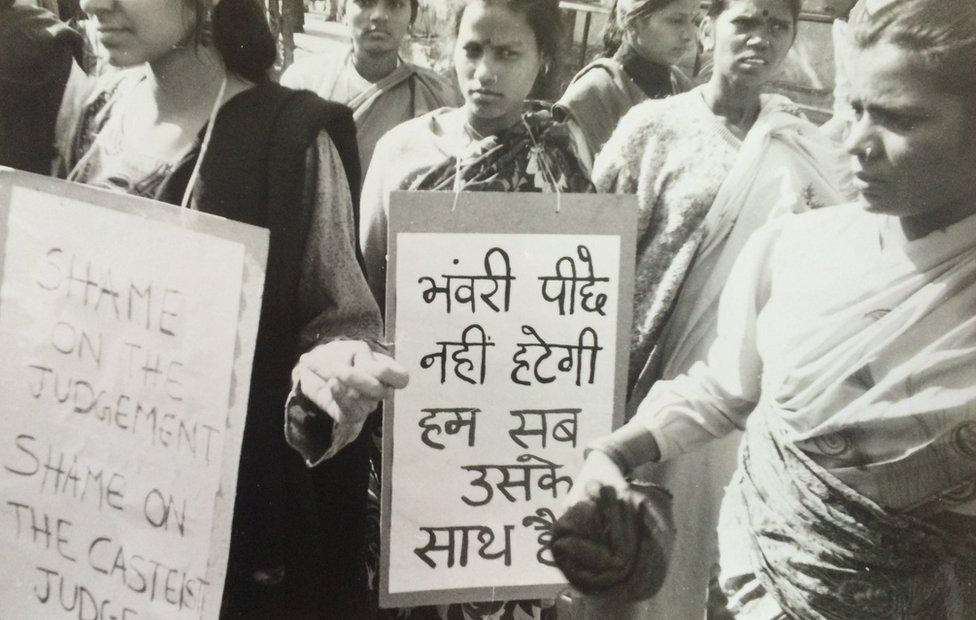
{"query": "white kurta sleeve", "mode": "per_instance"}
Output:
(716, 395)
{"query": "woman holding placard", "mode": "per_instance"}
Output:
(497, 141)
(847, 350)
(194, 120)
(709, 167)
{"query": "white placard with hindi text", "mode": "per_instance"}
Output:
(512, 318)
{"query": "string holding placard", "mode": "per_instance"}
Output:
(544, 165)
(457, 182)
(82, 164)
(205, 144)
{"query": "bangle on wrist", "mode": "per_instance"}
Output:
(610, 448)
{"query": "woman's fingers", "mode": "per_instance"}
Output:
(383, 368)
(347, 380)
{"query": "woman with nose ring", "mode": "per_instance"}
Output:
(642, 42)
(382, 89)
(847, 350)
(496, 141)
(709, 167)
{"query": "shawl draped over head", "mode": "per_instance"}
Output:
(534, 155)
(856, 488)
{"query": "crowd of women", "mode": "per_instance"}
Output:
(806, 312)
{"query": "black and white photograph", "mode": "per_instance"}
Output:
(488, 309)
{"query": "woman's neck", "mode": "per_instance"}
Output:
(738, 104)
(188, 79)
(923, 224)
(485, 127)
(374, 67)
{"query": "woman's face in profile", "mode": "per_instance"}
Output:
(138, 31)
(914, 145)
(665, 35)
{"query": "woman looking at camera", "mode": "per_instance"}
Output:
(496, 141)
(372, 78)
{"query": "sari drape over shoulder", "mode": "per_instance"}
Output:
(815, 548)
(701, 193)
(857, 348)
(428, 153)
(406, 93)
(535, 155)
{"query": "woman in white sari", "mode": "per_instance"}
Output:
(709, 167)
(847, 349)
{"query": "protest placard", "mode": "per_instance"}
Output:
(127, 329)
(512, 314)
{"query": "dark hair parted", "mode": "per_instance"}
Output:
(717, 7)
(542, 16)
(613, 32)
(940, 34)
(239, 31)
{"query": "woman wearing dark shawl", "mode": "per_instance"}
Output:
(642, 42)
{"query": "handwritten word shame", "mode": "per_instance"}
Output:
(151, 306)
(153, 424)
(438, 421)
(573, 357)
(473, 337)
(528, 464)
(535, 423)
(462, 288)
(63, 475)
(561, 288)
(454, 542)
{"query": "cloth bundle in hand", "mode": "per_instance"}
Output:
(610, 546)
